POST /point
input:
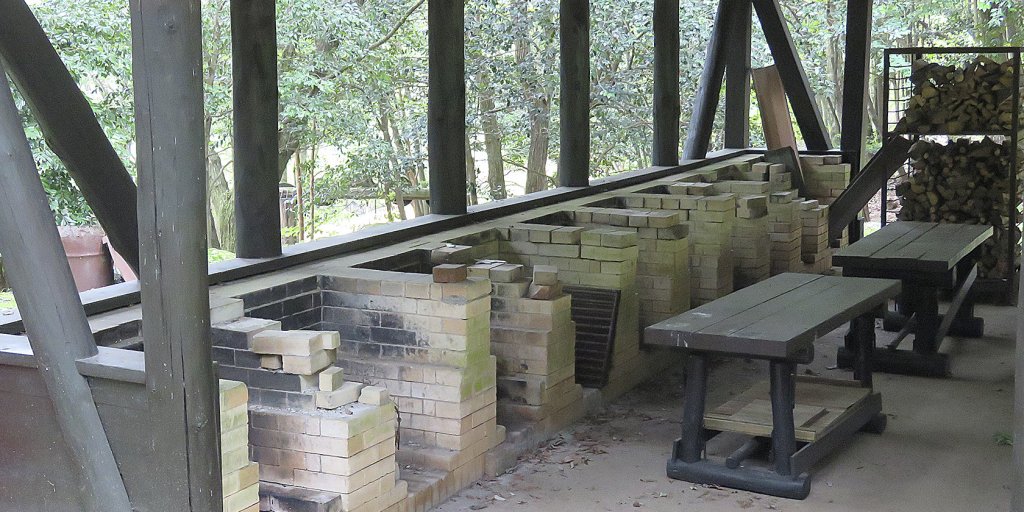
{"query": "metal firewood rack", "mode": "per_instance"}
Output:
(897, 90)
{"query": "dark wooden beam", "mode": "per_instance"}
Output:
(254, 76)
(866, 184)
(167, 66)
(666, 83)
(70, 126)
(709, 91)
(1017, 503)
(54, 319)
(446, 106)
(737, 77)
(801, 96)
(574, 110)
(856, 80)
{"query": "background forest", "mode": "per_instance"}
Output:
(353, 83)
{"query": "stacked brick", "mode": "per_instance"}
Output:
(712, 259)
(428, 344)
(825, 177)
(814, 248)
(533, 337)
(779, 179)
(346, 451)
(663, 268)
(784, 230)
(751, 242)
(240, 479)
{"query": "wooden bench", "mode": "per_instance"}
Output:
(926, 257)
(776, 320)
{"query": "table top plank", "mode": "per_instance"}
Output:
(775, 318)
(914, 246)
(824, 313)
(739, 301)
(771, 308)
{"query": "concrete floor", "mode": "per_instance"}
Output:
(938, 454)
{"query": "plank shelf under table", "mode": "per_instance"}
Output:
(776, 321)
(820, 405)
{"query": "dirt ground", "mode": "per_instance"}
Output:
(942, 450)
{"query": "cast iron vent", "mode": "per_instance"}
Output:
(595, 311)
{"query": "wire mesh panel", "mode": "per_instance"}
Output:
(961, 106)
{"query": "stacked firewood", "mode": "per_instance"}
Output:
(963, 181)
(977, 97)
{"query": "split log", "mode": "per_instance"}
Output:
(977, 97)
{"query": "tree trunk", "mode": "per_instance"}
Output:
(492, 140)
(471, 173)
(300, 195)
(540, 137)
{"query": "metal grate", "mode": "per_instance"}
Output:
(595, 311)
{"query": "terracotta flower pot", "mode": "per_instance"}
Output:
(90, 261)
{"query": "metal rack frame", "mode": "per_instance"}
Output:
(1002, 286)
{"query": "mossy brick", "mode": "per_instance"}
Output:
(455, 254)
(545, 275)
(481, 269)
(618, 239)
(286, 343)
(235, 481)
(610, 253)
(344, 395)
(307, 365)
(270, 361)
(506, 273)
(637, 219)
(566, 235)
(465, 291)
(677, 232)
(374, 395)
(232, 394)
(241, 500)
(545, 292)
(234, 417)
(662, 219)
(330, 379)
(235, 459)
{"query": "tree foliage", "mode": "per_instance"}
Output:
(353, 83)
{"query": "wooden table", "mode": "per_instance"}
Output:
(926, 257)
(776, 320)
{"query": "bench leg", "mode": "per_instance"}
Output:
(690, 447)
(783, 395)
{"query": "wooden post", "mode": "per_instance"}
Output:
(70, 126)
(737, 78)
(574, 113)
(50, 309)
(855, 88)
(666, 83)
(254, 73)
(801, 96)
(1018, 412)
(705, 103)
(167, 67)
(446, 106)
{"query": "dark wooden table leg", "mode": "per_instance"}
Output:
(783, 396)
(925, 303)
(690, 447)
(863, 331)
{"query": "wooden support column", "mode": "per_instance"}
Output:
(737, 77)
(446, 106)
(574, 111)
(666, 83)
(167, 67)
(50, 309)
(254, 74)
(856, 81)
(705, 103)
(1018, 412)
(70, 126)
(801, 96)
